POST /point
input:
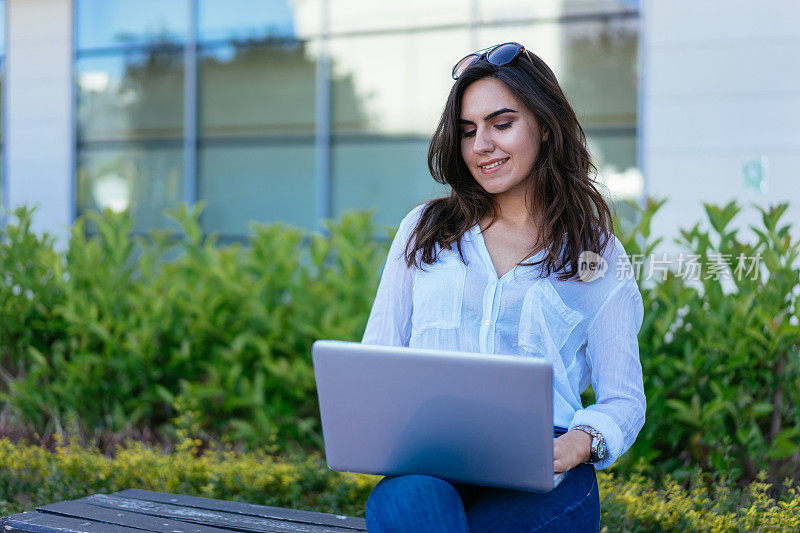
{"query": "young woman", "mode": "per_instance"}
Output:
(499, 267)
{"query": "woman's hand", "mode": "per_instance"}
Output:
(571, 449)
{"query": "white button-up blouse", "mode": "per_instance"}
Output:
(586, 330)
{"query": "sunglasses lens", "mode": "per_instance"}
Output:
(462, 65)
(503, 53)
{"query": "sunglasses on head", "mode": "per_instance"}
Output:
(499, 54)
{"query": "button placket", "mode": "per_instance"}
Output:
(486, 340)
(486, 316)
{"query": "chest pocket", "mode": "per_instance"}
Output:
(545, 324)
(439, 293)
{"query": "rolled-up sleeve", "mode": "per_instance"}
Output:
(612, 353)
(389, 321)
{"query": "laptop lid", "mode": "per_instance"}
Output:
(468, 418)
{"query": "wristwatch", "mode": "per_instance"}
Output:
(599, 449)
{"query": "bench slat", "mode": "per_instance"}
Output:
(78, 509)
(250, 509)
(46, 523)
(207, 517)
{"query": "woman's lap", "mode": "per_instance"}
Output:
(574, 505)
(416, 503)
(425, 503)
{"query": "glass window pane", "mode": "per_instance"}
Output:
(2, 88)
(617, 149)
(390, 174)
(614, 155)
(601, 69)
(604, 6)
(2, 27)
(596, 64)
(115, 23)
(256, 182)
(257, 90)
(388, 93)
(145, 180)
(2, 79)
(136, 95)
(393, 84)
(524, 11)
(256, 20)
(369, 16)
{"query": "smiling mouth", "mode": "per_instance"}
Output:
(493, 166)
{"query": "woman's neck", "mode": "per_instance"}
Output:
(514, 212)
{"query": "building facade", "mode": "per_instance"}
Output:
(299, 110)
(290, 110)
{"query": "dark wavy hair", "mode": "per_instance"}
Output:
(560, 189)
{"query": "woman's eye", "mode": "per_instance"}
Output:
(503, 126)
(468, 133)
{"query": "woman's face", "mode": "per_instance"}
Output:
(500, 137)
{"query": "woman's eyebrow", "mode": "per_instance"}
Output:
(489, 116)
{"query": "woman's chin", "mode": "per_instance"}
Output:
(497, 187)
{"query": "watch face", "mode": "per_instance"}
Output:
(601, 449)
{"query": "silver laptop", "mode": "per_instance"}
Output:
(465, 417)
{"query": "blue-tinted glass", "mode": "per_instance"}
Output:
(250, 90)
(388, 92)
(599, 71)
(245, 19)
(145, 180)
(2, 27)
(595, 63)
(385, 174)
(112, 23)
(393, 84)
(134, 95)
(614, 155)
(491, 11)
(370, 15)
(261, 182)
(600, 5)
(2, 79)
(2, 88)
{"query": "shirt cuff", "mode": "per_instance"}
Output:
(609, 429)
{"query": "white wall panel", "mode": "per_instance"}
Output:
(700, 122)
(692, 183)
(756, 66)
(39, 96)
(721, 88)
(684, 21)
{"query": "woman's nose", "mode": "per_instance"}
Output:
(483, 141)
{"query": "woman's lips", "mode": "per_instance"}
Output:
(493, 167)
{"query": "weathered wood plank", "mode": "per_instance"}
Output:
(207, 517)
(78, 509)
(263, 511)
(46, 523)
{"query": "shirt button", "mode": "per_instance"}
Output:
(487, 322)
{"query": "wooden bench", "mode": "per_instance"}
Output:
(135, 510)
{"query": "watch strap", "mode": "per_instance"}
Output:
(598, 450)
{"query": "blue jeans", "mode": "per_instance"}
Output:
(420, 503)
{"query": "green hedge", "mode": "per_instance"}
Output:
(171, 332)
(32, 475)
(721, 354)
(121, 332)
